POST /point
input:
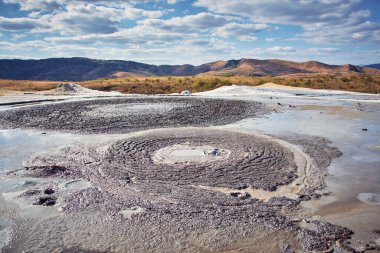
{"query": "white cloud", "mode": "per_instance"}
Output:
(76, 17)
(16, 24)
(281, 49)
(23, 46)
(324, 50)
(324, 21)
(12, 56)
(275, 52)
(356, 28)
(247, 38)
(161, 32)
(284, 11)
(153, 32)
(241, 31)
(89, 18)
(217, 25)
(53, 5)
(46, 5)
(139, 35)
(133, 13)
(119, 29)
(17, 36)
(189, 23)
(272, 39)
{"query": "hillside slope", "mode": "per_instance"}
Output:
(79, 69)
(277, 67)
(373, 66)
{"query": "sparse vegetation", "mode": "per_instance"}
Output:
(151, 85)
(171, 84)
(26, 86)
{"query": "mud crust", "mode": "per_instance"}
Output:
(177, 215)
(124, 115)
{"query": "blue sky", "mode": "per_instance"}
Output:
(195, 32)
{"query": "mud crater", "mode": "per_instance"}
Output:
(201, 157)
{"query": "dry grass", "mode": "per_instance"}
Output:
(25, 86)
(358, 83)
(151, 85)
(165, 85)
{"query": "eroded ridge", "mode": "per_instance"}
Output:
(124, 115)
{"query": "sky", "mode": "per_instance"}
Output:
(192, 32)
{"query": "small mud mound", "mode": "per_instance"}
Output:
(202, 157)
(73, 89)
(129, 114)
(69, 87)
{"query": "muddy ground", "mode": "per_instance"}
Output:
(124, 115)
(143, 204)
(191, 189)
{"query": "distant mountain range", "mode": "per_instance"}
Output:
(374, 66)
(79, 69)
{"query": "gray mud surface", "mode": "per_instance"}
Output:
(318, 148)
(174, 215)
(124, 115)
(254, 161)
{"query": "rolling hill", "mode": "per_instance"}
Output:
(374, 66)
(79, 69)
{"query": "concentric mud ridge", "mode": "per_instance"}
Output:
(181, 165)
(147, 192)
(245, 160)
(124, 115)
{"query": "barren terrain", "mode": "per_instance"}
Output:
(234, 169)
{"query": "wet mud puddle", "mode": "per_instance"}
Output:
(17, 145)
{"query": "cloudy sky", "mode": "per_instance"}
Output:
(195, 32)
